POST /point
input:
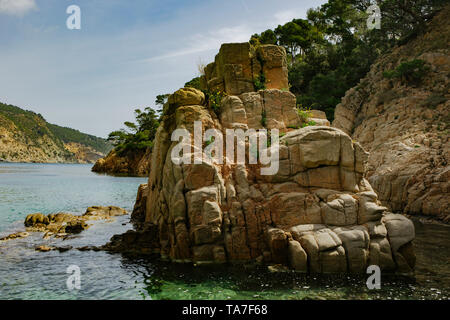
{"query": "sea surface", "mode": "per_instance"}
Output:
(50, 188)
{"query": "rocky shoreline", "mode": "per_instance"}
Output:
(133, 164)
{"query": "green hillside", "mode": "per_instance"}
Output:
(24, 129)
(71, 135)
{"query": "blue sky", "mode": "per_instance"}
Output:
(125, 54)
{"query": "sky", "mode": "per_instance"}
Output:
(126, 52)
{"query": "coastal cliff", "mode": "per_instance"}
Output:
(400, 113)
(134, 163)
(317, 213)
(27, 137)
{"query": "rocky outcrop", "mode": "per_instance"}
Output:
(405, 126)
(238, 66)
(316, 213)
(134, 163)
(61, 224)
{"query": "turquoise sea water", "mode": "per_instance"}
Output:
(50, 188)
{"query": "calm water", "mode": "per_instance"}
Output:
(27, 274)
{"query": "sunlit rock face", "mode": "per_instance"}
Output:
(316, 213)
(405, 125)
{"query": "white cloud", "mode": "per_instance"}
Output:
(285, 16)
(17, 7)
(208, 41)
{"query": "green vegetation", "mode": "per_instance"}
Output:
(408, 72)
(136, 136)
(332, 49)
(309, 123)
(33, 125)
(260, 82)
(194, 83)
(214, 99)
(304, 113)
(264, 118)
(34, 128)
(71, 135)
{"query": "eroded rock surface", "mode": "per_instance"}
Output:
(318, 213)
(405, 126)
(134, 163)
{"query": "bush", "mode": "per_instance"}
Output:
(260, 82)
(304, 114)
(408, 72)
(214, 100)
(194, 83)
(137, 136)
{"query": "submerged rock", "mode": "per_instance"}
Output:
(317, 213)
(43, 248)
(17, 235)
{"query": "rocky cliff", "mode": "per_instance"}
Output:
(26, 137)
(134, 163)
(405, 124)
(317, 213)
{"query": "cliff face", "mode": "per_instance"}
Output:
(136, 163)
(317, 213)
(405, 126)
(26, 137)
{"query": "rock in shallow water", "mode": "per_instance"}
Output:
(16, 235)
(61, 224)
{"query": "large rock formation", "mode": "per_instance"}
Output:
(238, 66)
(134, 163)
(405, 126)
(317, 213)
